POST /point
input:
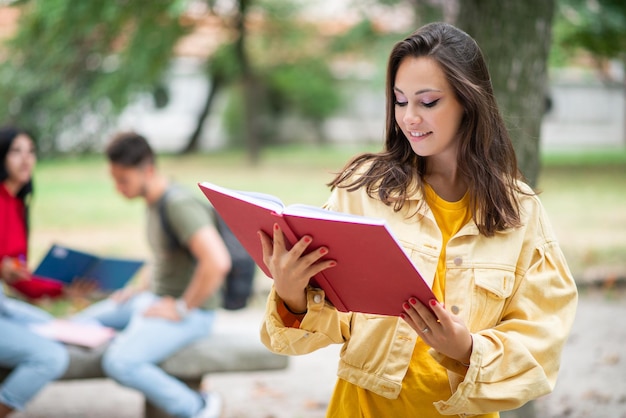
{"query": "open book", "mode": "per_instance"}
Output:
(373, 273)
(62, 265)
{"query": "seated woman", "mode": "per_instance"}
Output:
(34, 360)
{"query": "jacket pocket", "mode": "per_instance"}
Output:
(491, 289)
(369, 342)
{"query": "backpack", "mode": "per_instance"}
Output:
(238, 285)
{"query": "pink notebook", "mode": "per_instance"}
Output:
(75, 333)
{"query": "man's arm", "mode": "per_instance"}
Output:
(213, 264)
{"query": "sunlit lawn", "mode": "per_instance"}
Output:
(75, 202)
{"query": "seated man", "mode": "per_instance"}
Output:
(176, 306)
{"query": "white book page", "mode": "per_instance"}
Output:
(260, 199)
(321, 213)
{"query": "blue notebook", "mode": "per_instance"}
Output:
(65, 264)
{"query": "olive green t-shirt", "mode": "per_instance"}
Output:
(174, 265)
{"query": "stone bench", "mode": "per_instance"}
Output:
(223, 352)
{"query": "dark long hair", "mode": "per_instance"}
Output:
(7, 136)
(486, 156)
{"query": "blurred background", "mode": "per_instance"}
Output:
(276, 95)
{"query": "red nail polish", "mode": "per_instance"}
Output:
(307, 239)
(403, 316)
(413, 301)
(433, 302)
(276, 227)
(323, 250)
(332, 264)
(406, 305)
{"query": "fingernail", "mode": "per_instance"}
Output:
(323, 250)
(406, 305)
(276, 227)
(332, 264)
(413, 301)
(403, 316)
(307, 239)
(432, 302)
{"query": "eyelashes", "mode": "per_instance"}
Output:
(427, 105)
(430, 104)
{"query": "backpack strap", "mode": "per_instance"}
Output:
(172, 240)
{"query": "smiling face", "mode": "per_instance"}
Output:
(426, 108)
(20, 161)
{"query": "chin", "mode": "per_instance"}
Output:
(420, 151)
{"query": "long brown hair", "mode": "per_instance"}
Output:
(486, 156)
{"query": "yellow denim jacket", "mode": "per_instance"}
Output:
(513, 290)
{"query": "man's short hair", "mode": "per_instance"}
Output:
(129, 149)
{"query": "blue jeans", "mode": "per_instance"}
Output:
(132, 358)
(34, 360)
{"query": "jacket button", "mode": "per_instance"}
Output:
(454, 309)
(458, 261)
(317, 298)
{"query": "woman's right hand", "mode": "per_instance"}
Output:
(13, 269)
(292, 269)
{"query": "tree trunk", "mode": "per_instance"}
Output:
(250, 88)
(515, 37)
(624, 95)
(194, 139)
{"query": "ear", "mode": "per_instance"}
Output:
(149, 170)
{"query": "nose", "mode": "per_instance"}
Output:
(411, 116)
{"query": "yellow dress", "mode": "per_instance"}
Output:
(426, 380)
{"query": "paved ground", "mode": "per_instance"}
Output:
(592, 383)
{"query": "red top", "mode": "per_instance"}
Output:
(14, 243)
(13, 240)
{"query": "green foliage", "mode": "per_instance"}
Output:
(223, 64)
(76, 64)
(288, 75)
(306, 86)
(597, 26)
(358, 37)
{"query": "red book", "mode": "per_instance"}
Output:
(373, 273)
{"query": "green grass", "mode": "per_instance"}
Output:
(76, 203)
(604, 157)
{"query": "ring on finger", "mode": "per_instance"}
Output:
(425, 330)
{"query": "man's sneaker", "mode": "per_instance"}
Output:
(212, 405)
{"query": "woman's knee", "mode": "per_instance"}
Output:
(52, 360)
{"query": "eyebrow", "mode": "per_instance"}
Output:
(417, 93)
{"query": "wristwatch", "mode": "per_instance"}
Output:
(181, 308)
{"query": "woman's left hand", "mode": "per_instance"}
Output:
(443, 331)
